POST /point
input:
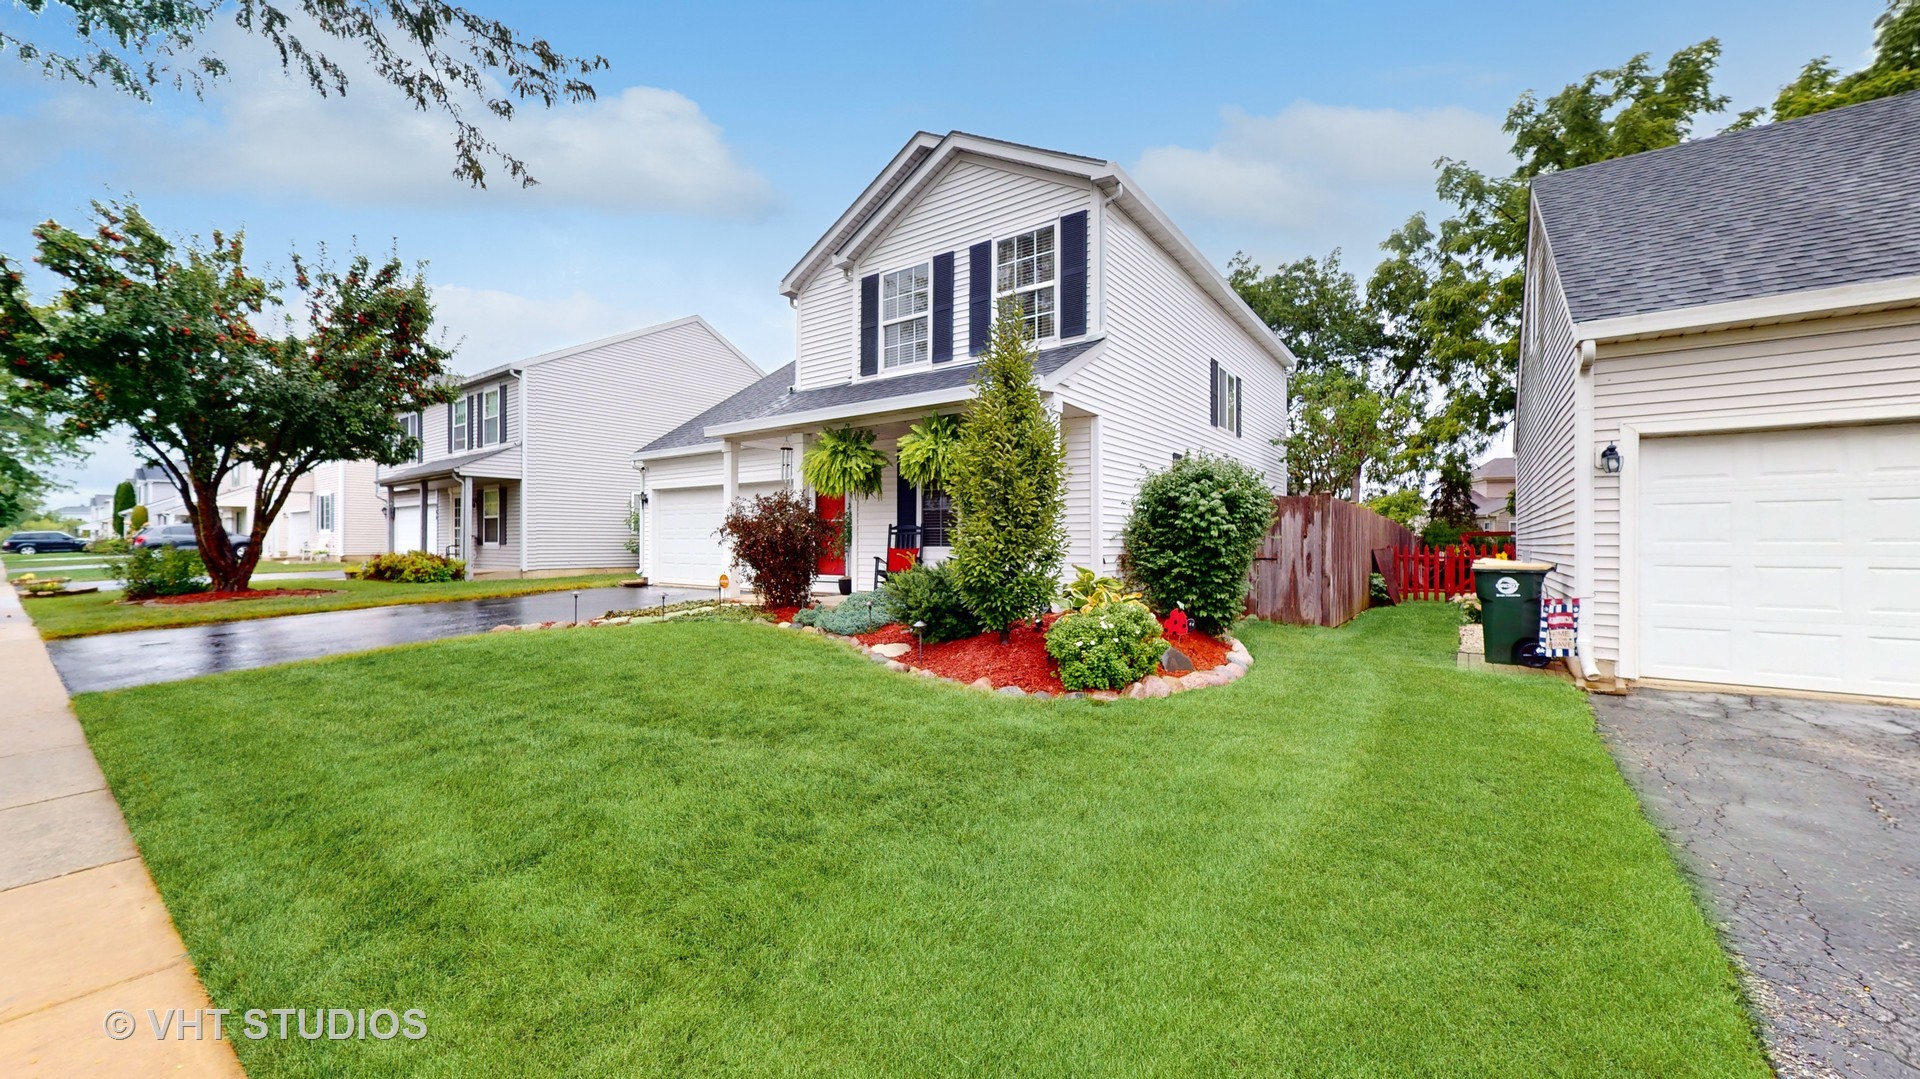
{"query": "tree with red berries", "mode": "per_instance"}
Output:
(159, 336)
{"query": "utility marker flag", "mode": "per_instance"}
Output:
(1559, 623)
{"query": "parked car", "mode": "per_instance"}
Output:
(42, 543)
(180, 536)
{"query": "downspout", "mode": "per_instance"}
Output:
(526, 433)
(1583, 505)
(640, 522)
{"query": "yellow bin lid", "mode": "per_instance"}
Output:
(1501, 565)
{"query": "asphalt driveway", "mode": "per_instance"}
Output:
(1800, 820)
(118, 660)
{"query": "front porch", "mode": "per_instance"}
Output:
(464, 507)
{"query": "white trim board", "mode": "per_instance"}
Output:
(1781, 307)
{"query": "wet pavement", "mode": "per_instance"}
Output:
(118, 660)
(1798, 819)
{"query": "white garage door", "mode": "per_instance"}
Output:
(406, 528)
(685, 550)
(1783, 558)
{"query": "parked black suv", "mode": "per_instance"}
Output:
(42, 543)
(181, 536)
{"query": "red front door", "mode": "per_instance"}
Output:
(833, 508)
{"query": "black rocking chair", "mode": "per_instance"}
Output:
(903, 551)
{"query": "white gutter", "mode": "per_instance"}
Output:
(908, 403)
(1784, 307)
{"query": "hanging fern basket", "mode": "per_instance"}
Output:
(843, 461)
(927, 450)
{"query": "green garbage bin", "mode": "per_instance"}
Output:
(1510, 609)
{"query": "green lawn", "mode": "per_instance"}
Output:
(101, 612)
(730, 849)
(16, 566)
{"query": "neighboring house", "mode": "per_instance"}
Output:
(99, 517)
(1718, 428)
(528, 472)
(1492, 486)
(1144, 352)
(153, 489)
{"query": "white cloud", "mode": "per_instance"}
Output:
(640, 148)
(1320, 174)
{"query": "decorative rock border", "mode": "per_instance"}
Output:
(1153, 685)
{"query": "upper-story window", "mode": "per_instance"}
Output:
(906, 327)
(460, 424)
(410, 425)
(490, 417)
(1024, 270)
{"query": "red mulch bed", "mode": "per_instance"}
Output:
(251, 593)
(782, 614)
(1023, 662)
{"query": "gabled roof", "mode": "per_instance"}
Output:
(773, 404)
(1497, 468)
(752, 401)
(918, 164)
(617, 339)
(1825, 201)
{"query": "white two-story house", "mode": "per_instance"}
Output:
(1144, 352)
(528, 471)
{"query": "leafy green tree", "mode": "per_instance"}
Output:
(1009, 482)
(123, 498)
(1315, 307)
(1452, 504)
(1452, 294)
(1405, 506)
(137, 519)
(1895, 69)
(158, 336)
(440, 56)
(1341, 429)
(29, 446)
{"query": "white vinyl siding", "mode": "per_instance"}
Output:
(1544, 424)
(1859, 365)
(1151, 384)
(971, 202)
(588, 412)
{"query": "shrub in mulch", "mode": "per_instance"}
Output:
(1023, 662)
(251, 593)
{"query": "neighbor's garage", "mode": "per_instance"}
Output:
(685, 549)
(1786, 559)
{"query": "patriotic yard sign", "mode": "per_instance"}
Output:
(1559, 620)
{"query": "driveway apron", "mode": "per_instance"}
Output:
(1798, 820)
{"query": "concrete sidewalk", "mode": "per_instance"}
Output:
(82, 930)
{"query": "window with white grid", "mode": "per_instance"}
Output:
(906, 326)
(1024, 270)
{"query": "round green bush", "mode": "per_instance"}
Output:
(1192, 535)
(928, 594)
(858, 614)
(1105, 648)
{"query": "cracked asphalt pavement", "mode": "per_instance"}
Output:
(1800, 822)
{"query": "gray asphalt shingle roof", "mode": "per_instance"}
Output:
(1827, 200)
(769, 398)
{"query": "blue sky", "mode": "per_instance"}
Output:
(727, 137)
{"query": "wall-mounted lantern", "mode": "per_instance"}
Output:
(1610, 460)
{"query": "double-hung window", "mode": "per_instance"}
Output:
(936, 517)
(490, 515)
(1025, 271)
(490, 417)
(906, 326)
(410, 425)
(460, 424)
(1226, 400)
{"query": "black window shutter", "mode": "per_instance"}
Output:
(503, 412)
(906, 506)
(479, 508)
(503, 513)
(449, 426)
(979, 296)
(870, 324)
(473, 420)
(1239, 399)
(1073, 274)
(943, 307)
(1213, 392)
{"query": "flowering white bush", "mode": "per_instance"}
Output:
(1105, 648)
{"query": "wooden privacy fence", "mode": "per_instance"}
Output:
(1312, 567)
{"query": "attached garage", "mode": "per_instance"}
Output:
(1786, 559)
(684, 547)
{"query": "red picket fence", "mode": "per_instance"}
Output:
(1425, 573)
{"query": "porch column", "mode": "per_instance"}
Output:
(468, 517)
(729, 479)
(423, 515)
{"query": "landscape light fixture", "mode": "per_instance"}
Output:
(1610, 460)
(576, 606)
(920, 641)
